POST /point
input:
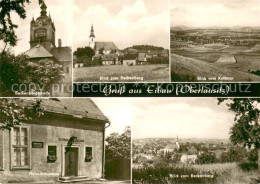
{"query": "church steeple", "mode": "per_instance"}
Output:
(32, 21)
(92, 32)
(92, 38)
(178, 143)
(43, 9)
(42, 30)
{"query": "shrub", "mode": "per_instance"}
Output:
(88, 61)
(253, 156)
(169, 175)
(158, 60)
(21, 70)
(257, 72)
(118, 155)
(248, 166)
(235, 154)
(182, 78)
(207, 158)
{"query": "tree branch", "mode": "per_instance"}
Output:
(250, 132)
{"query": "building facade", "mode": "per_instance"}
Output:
(69, 140)
(42, 44)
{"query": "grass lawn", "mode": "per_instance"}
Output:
(228, 173)
(122, 73)
(219, 173)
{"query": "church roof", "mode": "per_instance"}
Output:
(62, 54)
(38, 51)
(105, 45)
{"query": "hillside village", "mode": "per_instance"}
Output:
(240, 37)
(107, 53)
(178, 151)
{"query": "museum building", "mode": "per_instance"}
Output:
(68, 140)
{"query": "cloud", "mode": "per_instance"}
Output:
(118, 23)
(189, 118)
(125, 24)
(138, 9)
(203, 13)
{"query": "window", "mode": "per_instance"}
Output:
(1, 150)
(88, 154)
(52, 154)
(20, 148)
(40, 33)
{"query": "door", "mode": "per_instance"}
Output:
(71, 161)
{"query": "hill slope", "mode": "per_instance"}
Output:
(183, 66)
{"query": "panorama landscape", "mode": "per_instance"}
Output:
(220, 43)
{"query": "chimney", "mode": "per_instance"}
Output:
(59, 42)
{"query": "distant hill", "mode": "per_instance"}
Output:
(234, 28)
(190, 140)
(145, 47)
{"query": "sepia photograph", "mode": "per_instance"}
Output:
(121, 41)
(65, 140)
(130, 91)
(213, 41)
(36, 48)
(195, 140)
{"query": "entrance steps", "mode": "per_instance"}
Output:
(74, 179)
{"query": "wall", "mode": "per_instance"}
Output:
(129, 62)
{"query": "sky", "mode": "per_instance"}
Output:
(61, 12)
(126, 23)
(182, 117)
(118, 111)
(212, 13)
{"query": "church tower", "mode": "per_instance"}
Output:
(42, 30)
(178, 143)
(92, 38)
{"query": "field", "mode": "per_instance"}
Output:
(231, 50)
(122, 73)
(184, 67)
(226, 173)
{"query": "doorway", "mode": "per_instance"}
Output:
(71, 161)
